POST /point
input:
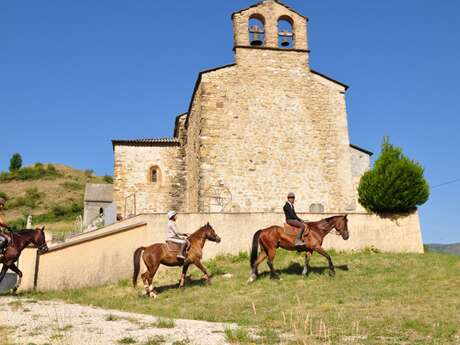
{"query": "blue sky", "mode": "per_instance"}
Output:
(76, 74)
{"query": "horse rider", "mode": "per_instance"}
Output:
(3, 225)
(173, 234)
(294, 220)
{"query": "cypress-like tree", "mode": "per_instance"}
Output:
(395, 184)
(15, 162)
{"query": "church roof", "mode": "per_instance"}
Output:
(146, 142)
(330, 79)
(261, 2)
(98, 192)
(361, 149)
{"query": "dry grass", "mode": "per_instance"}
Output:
(375, 299)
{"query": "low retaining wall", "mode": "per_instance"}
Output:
(105, 255)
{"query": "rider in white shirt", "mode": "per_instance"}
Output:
(173, 234)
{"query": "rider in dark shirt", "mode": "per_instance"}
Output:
(3, 239)
(293, 220)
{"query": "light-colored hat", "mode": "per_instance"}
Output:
(291, 195)
(171, 214)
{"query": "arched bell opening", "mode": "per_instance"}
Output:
(256, 26)
(285, 32)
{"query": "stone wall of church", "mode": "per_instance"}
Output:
(192, 153)
(134, 193)
(270, 126)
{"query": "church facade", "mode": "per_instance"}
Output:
(266, 125)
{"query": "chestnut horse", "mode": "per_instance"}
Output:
(275, 236)
(160, 253)
(17, 241)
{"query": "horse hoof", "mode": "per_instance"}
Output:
(153, 295)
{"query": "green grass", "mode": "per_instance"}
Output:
(376, 298)
(164, 323)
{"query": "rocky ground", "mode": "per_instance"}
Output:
(54, 322)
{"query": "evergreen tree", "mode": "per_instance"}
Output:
(15, 162)
(395, 184)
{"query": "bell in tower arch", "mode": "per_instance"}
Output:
(256, 31)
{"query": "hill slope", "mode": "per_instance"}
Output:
(453, 248)
(52, 194)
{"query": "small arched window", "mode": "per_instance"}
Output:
(256, 30)
(154, 175)
(285, 32)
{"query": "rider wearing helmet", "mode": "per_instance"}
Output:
(173, 234)
(3, 225)
(293, 220)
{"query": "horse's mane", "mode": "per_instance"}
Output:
(323, 222)
(198, 232)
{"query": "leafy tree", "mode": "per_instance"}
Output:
(15, 162)
(395, 184)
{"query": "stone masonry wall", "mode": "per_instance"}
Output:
(270, 126)
(132, 166)
(192, 153)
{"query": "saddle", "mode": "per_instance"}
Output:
(290, 230)
(175, 247)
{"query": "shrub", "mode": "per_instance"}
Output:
(108, 179)
(71, 185)
(89, 173)
(31, 199)
(37, 172)
(3, 196)
(15, 162)
(60, 212)
(395, 184)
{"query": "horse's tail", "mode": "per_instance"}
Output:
(136, 262)
(255, 247)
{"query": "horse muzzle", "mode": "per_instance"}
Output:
(42, 249)
(218, 239)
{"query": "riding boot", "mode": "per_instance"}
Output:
(183, 247)
(298, 239)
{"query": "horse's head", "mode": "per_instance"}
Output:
(341, 225)
(39, 240)
(211, 234)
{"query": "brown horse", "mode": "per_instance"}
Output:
(275, 236)
(160, 253)
(17, 242)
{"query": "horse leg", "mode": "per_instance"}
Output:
(203, 269)
(151, 273)
(307, 263)
(184, 273)
(271, 257)
(321, 251)
(16, 270)
(3, 272)
(255, 271)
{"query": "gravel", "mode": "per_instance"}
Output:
(56, 322)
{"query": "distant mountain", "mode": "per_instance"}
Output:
(453, 248)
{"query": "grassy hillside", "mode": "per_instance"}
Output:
(375, 299)
(453, 248)
(52, 194)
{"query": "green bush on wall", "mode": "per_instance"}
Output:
(395, 184)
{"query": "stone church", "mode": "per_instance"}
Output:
(255, 130)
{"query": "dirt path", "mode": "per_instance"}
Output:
(55, 322)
